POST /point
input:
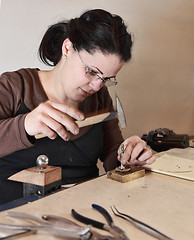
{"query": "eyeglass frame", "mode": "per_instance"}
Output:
(105, 80)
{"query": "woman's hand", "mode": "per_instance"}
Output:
(52, 119)
(135, 152)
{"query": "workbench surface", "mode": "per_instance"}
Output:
(164, 202)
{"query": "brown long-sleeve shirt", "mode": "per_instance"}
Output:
(12, 132)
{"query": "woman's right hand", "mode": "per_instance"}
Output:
(52, 119)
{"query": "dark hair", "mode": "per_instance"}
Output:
(94, 30)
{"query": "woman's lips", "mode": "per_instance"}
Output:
(85, 93)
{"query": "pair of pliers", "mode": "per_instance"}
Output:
(117, 232)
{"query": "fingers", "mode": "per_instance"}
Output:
(151, 160)
(135, 152)
(61, 118)
(52, 119)
(69, 109)
(133, 146)
(145, 157)
(51, 128)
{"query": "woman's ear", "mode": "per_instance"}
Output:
(66, 47)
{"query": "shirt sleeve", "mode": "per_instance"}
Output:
(112, 137)
(12, 132)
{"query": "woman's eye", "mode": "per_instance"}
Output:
(90, 72)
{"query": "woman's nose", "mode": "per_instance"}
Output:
(96, 85)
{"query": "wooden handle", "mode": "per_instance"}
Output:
(89, 121)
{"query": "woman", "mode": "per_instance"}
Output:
(87, 53)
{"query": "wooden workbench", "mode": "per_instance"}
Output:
(164, 202)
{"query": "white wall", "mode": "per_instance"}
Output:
(156, 87)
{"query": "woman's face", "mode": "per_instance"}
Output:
(82, 73)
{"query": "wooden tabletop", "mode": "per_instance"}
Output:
(164, 202)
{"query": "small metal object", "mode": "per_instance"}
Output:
(122, 168)
(122, 152)
(42, 161)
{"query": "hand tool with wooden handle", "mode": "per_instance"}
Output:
(101, 118)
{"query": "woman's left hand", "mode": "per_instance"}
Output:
(135, 152)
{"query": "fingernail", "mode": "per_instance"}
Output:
(81, 117)
(132, 160)
(67, 138)
(123, 162)
(76, 131)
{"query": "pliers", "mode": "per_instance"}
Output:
(117, 232)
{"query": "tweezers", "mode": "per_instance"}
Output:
(117, 232)
(141, 225)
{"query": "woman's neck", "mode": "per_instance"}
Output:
(52, 86)
(47, 82)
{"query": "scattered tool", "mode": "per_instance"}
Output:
(101, 117)
(63, 222)
(39, 180)
(58, 226)
(117, 232)
(16, 235)
(143, 226)
(54, 228)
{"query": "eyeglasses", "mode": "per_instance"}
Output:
(94, 75)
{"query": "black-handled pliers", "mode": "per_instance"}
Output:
(117, 232)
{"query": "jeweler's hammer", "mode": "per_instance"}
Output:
(101, 117)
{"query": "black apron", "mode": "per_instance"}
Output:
(78, 158)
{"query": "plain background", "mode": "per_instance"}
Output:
(156, 87)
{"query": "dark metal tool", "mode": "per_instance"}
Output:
(142, 226)
(162, 139)
(117, 232)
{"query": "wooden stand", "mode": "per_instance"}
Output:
(37, 180)
(38, 176)
(133, 173)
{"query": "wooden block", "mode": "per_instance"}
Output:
(101, 117)
(38, 176)
(133, 173)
